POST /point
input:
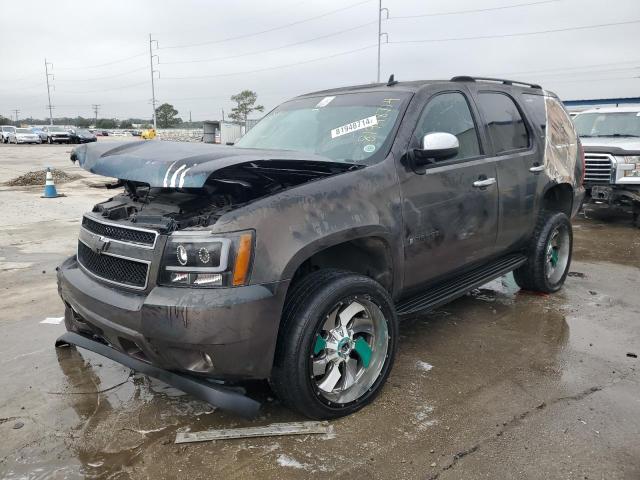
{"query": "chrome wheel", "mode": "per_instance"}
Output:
(349, 351)
(557, 254)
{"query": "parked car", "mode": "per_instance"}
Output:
(80, 135)
(611, 138)
(291, 255)
(41, 133)
(6, 131)
(24, 135)
(56, 134)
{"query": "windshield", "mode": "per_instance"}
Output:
(56, 129)
(8, 129)
(23, 130)
(352, 127)
(623, 124)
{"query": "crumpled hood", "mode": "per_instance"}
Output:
(174, 164)
(615, 145)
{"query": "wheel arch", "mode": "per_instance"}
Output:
(364, 250)
(558, 197)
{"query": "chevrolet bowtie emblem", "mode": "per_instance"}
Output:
(101, 244)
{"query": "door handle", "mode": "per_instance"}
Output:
(537, 168)
(484, 183)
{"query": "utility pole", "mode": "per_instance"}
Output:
(16, 111)
(95, 108)
(46, 71)
(189, 117)
(381, 33)
(153, 88)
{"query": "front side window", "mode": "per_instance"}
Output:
(504, 121)
(351, 127)
(450, 113)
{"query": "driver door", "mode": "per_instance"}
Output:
(450, 208)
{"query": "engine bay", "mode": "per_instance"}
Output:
(170, 209)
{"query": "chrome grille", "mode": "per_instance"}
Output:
(114, 269)
(121, 234)
(598, 168)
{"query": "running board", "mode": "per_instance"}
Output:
(457, 287)
(216, 395)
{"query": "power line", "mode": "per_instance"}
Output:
(269, 30)
(590, 72)
(107, 89)
(106, 77)
(571, 68)
(348, 52)
(104, 64)
(522, 34)
(257, 52)
(475, 10)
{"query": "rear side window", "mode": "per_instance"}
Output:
(449, 113)
(504, 121)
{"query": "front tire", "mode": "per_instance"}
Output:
(549, 255)
(336, 345)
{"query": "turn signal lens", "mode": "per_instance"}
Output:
(243, 260)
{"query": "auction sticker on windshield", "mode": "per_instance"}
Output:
(354, 126)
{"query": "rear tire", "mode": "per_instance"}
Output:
(549, 254)
(334, 320)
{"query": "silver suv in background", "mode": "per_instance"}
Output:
(6, 131)
(56, 134)
(611, 140)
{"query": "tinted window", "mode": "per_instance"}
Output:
(535, 106)
(449, 113)
(506, 126)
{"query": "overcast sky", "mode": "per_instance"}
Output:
(100, 50)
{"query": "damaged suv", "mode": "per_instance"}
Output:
(291, 255)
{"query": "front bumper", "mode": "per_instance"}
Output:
(225, 333)
(217, 395)
(615, 194)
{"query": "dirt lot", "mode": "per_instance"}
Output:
(501, 384)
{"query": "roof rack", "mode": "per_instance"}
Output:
(465, 78)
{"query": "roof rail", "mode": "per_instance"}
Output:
(465, 78)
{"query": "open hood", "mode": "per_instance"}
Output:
(179, 164)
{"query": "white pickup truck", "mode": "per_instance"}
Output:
(611, 140)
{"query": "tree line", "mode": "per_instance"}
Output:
(166, 116)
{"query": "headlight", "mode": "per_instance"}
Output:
(206, 260)
(635, 161)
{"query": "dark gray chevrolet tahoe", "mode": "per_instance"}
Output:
(291, 255)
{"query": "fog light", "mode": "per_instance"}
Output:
(208, 279)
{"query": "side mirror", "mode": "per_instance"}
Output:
(436, 146)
